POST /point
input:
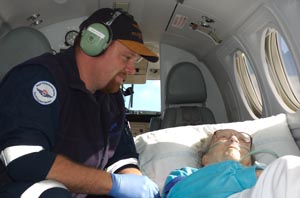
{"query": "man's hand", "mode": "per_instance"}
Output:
(133, 186)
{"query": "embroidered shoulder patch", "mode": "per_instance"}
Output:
(44, 92)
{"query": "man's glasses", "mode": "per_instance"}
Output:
(224, 135)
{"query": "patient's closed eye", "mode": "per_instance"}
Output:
(226, 135)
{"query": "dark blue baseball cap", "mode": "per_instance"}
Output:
(124, 29)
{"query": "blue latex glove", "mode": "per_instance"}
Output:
(133, 186)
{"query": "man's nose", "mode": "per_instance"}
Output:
(130, 68)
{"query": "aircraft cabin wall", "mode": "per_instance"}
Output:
(58, 30)
(249, 38)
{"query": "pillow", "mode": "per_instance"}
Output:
(168, 149)
(165, 150)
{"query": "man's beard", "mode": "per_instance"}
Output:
(112, 86)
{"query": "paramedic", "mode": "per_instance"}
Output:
(228, 171)
(63, 130)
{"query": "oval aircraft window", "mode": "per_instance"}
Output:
(282, 69)
(248, 83)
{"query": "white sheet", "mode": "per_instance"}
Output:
(279, 180)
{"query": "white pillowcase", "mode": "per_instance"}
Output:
(165, 150)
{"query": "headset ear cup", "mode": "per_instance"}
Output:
(95, 39)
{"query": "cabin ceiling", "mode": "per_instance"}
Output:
(153, 16)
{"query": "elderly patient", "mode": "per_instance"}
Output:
(229, 171)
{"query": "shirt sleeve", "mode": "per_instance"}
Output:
(28, 119)
(125, 155)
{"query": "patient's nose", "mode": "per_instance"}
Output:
(233, 138)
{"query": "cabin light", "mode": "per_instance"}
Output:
(207, 19)
(206, 30)
(37, 22)
(204, 24)
(204, 27)
(33, 17)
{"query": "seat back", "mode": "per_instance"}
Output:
(20, 44)
(185, 99)
(16, 47)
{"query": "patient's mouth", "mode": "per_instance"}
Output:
(235, 146)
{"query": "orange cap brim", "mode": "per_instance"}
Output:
(140, 49)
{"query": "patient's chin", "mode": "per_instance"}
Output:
(233, 154)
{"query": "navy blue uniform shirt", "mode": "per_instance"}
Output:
(44, 102)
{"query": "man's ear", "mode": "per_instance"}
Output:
(204, 160)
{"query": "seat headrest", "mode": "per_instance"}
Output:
(185, 84)
(20, 44)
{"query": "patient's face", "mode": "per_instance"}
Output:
(228, 144)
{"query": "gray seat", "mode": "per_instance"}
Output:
(19, 45)
(185, 99)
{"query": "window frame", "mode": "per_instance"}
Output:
(277, 71)
(253, 98)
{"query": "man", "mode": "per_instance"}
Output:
(228, 171)
(62, 117)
